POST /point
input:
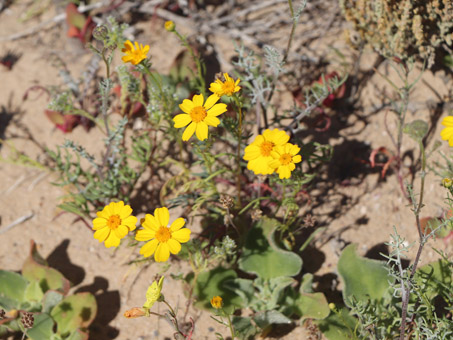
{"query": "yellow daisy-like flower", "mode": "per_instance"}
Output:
(447, 133)
(227, 87)
(284, 159)
(134, 55)
(217, 302)
(163, 240)
(153, 293)
(258, 153)
(199, 116)
(113, 223)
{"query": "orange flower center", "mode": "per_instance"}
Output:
(163, 234)
(266, 148)
(198, 114)
(228, 87)
(114, 221)
(285, 159)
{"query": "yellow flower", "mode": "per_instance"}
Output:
(134, 55)
(199, 116)
(170, 26)
(447, 182)
(447, 133)
(258, 153)
(163, 239)
(153, 293)
(113, 223)
(284, 159)
(217, 302)
(227, 87)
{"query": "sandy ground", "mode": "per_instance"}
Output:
(358, 207)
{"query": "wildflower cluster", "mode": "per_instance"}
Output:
(271, 152)
(115, 221)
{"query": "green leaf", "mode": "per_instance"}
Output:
(243, 288)
(12, 289)
(74, 312)
(215, 283)
(42, 327)
(51, 299)
(270, 317)
(311, 305)
(244, 327)
(338, 326)
(262, 256)
(35, 269)
(417, 129)
(434, 276)
(33, 292)
(363, 278)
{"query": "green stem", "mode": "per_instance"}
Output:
(230, 325)
(155, 81)
(197, 62)
(173, 314)
(238, 156)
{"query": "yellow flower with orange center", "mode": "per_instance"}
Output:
(447, 133)
(163, 240)
(217, 302)
(199, 115)
(134, 55)
(227, 87)
(258, 153)
(284, 159)
(113, 223)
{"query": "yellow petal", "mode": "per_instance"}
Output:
(129, 222)
(182, 235)
(274, 164)
(112, 241)
(297, 159)
(177, 224)
(145, 235)
(446, 133)
(121, 231)
(217, 109)
(162, 215)
(149, 248)
(151, 223)
(174, 246)
(212, 121)
(202, 130)
(448, 121)
(186, 106)
(215, 88)
(284, 172)
(189, 131)
(251, 152)
(212, 99)
(99, 223)
(125, 212)
(197, 100)
(102, 234)
(162, 252)
(182, 120)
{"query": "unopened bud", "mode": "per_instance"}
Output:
(226, 201)
(100, 32)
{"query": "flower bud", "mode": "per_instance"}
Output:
(100, 32)
(217, 302)
(447, 182)
(170, 26)
(135, 312)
